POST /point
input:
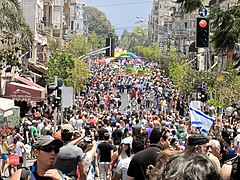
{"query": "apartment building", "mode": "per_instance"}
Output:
(53, 19)
(160, 21)
(78, 19)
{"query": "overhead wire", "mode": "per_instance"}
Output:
(123, 4)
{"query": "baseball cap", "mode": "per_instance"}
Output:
(87, 139)
(197, 139)
(46, 140)
(67, 127)
(126, 141)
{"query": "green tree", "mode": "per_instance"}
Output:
(189, 6)
(59, 64)
(225, 27)
(12, 19)
(78, 46)
(225, 87)
(17, 37)
(79, 75)
(65, 63)
(137, 37)
(99, 24)
(124, 42)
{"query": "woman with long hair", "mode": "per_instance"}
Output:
(5, 153)
(91, 158)
(123, 151)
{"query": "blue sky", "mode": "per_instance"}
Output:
(122, 13)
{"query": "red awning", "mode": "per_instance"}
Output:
(28, 82)
(24, 92)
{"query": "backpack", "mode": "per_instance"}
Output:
(25, 174)
(235, 174)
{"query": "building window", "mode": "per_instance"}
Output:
(58, 3)
(72, 25)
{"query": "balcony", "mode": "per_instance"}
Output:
(178, 14)
(48, 1)
(47, 31)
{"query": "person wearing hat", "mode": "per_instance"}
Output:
(123, 151)
(137, 145)
(70, 156)
(46, 149)
(88, 145)
(197, 143)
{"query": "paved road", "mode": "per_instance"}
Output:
(125, 100)
(28, 164)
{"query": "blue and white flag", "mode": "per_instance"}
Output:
(199, 119)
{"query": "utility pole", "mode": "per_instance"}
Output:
(55, 108)
(168, 45)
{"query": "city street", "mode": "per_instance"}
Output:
(29, 163)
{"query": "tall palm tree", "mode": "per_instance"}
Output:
(224, 24)
(225, 27)
(188, 6)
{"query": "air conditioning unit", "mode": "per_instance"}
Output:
(56, 26)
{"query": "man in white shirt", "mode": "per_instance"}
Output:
(72, 120)
(40, 126)
(237, 138)
(109, 129)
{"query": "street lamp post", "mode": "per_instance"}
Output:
(161, 29)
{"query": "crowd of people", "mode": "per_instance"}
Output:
(123, 127)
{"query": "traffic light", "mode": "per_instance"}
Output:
(55, 93)
(51, 89)
(58, 99)
(203, 96)
(51, 99)
(202, 32)
(110, 43)
(57, 102)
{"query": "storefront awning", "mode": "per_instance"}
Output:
(6, 107)
(17, 91)
(28, 82)
(37, 66)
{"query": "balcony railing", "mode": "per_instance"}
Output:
(47, 31)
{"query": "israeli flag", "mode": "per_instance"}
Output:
(199, 119)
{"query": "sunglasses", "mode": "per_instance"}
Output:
(49, 149)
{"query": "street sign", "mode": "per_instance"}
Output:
(110, 35)
(202, 12)
(161, 44)
(67, 96)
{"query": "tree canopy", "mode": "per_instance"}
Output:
(12, 19)
(99, 24)
(67, 65)
(225, 27)
(130, 40)
(224, 22)
(188, 80)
